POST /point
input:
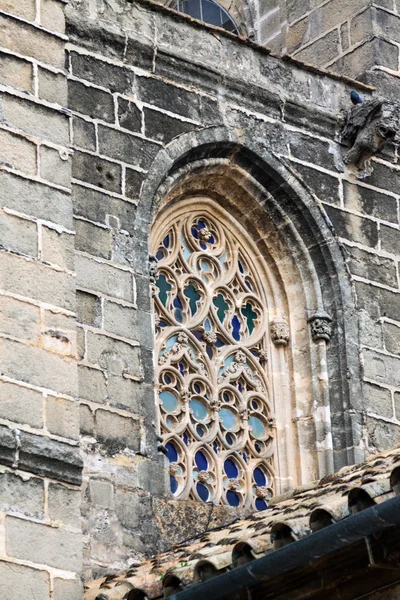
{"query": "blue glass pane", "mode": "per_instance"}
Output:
(186, 251)
(257, 447)
(241, 268)
(169, 402)
(201, 461)
(209, 352)
(169, 422)
(250, 316)
(203, 246)
(225, 396)
(167, 379)
(171, 452)
(186, 439)
(259, 477)
(244, 456)
(200, 430)
(199, 410)
(233, 498)
(207, 325)
(229, 439)
(197, 388)
(205, 266)
(254, 404)
(166, 241)
(194, 297)
(248, 283)
(222, 306)
(170, 342)
(195, 233)
(236, 328)
(231, 469)
(215, 447)
(258, 429)
(201, 224)
(228, 418)
(173, 484)
(181, 368)
(261, 504)
(211, 239)
(178, 309)
(160, 255)
(219, 343)
(203, 492)
(163, 288)
(162, 324)
(239, 386)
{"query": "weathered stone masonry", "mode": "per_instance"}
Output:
(79, 176)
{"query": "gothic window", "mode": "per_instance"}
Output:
(208, 11)
(215, 407)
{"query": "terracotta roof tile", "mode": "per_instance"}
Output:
(296, 514)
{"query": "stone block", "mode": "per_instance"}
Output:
(382, 368)
(101, 493)
(104, 278)
(133, 183)
(147, 362)
(16, 73)
(49, 204)
(86, 420)
(64, 505)
(361, 27)
(390, 239)
(18, 235)
(397, 405)
(373, 52)
(62, 417)
(378, 301)
(378, 400)
(128, 322)
(114, 356)
(382, 435)
(88, 308)
(21, 405)
(53, 87)
(127, 148)
(83, 134)
(17, 153)
(369, 202)
(30, 41)
(336, 11)
(169, 97)
(322, 51)
(17, 579)
(55, 546)
(37, 120)
(126, 394)
(38, 367)
(92, 385)
(129, 115)
(372, 266)
(52, 15)
(306, 147)
(22, 495)
(19, 319)
(26, 9)
(67, 589)
(163, 128)
(117, 431)
(386, 24)
(297, 8)
(36, 281)
(130, 510)
(59, 333)
(93, 239)
(90, 101)
(324, 186)
(97, 71)
(153, 476)
(391, 336)
(297, 35)
(55, 166)
(97, 171)
(99, 207)
(354, 228)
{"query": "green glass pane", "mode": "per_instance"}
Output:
(258, 429)
(163, 288)
(199, 410)
(222, 307)
(250, 316)
(194, 297)
(169, 402)
(228, 418)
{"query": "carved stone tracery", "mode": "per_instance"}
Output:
(215, 410)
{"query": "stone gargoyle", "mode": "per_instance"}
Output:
(367, 127)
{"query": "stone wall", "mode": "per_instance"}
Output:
(40, 472)
(145, 89)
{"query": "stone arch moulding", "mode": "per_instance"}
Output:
(318, 420)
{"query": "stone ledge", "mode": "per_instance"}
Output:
(41, 455)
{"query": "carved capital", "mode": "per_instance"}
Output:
(280, 331)
(321, 326)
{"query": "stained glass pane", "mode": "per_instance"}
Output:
(208, 371)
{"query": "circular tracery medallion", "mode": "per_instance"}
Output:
(212, 324)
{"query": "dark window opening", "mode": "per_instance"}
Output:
(208, 11)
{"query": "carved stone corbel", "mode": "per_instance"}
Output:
(321, 326)
(366, 128)
(279, 329)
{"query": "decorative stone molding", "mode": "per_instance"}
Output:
(367, 128)
(279, 329)
(321, 326)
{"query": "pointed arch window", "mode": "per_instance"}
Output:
(213, 344)
(208, 11)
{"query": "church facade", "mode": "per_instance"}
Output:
(199, 272)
